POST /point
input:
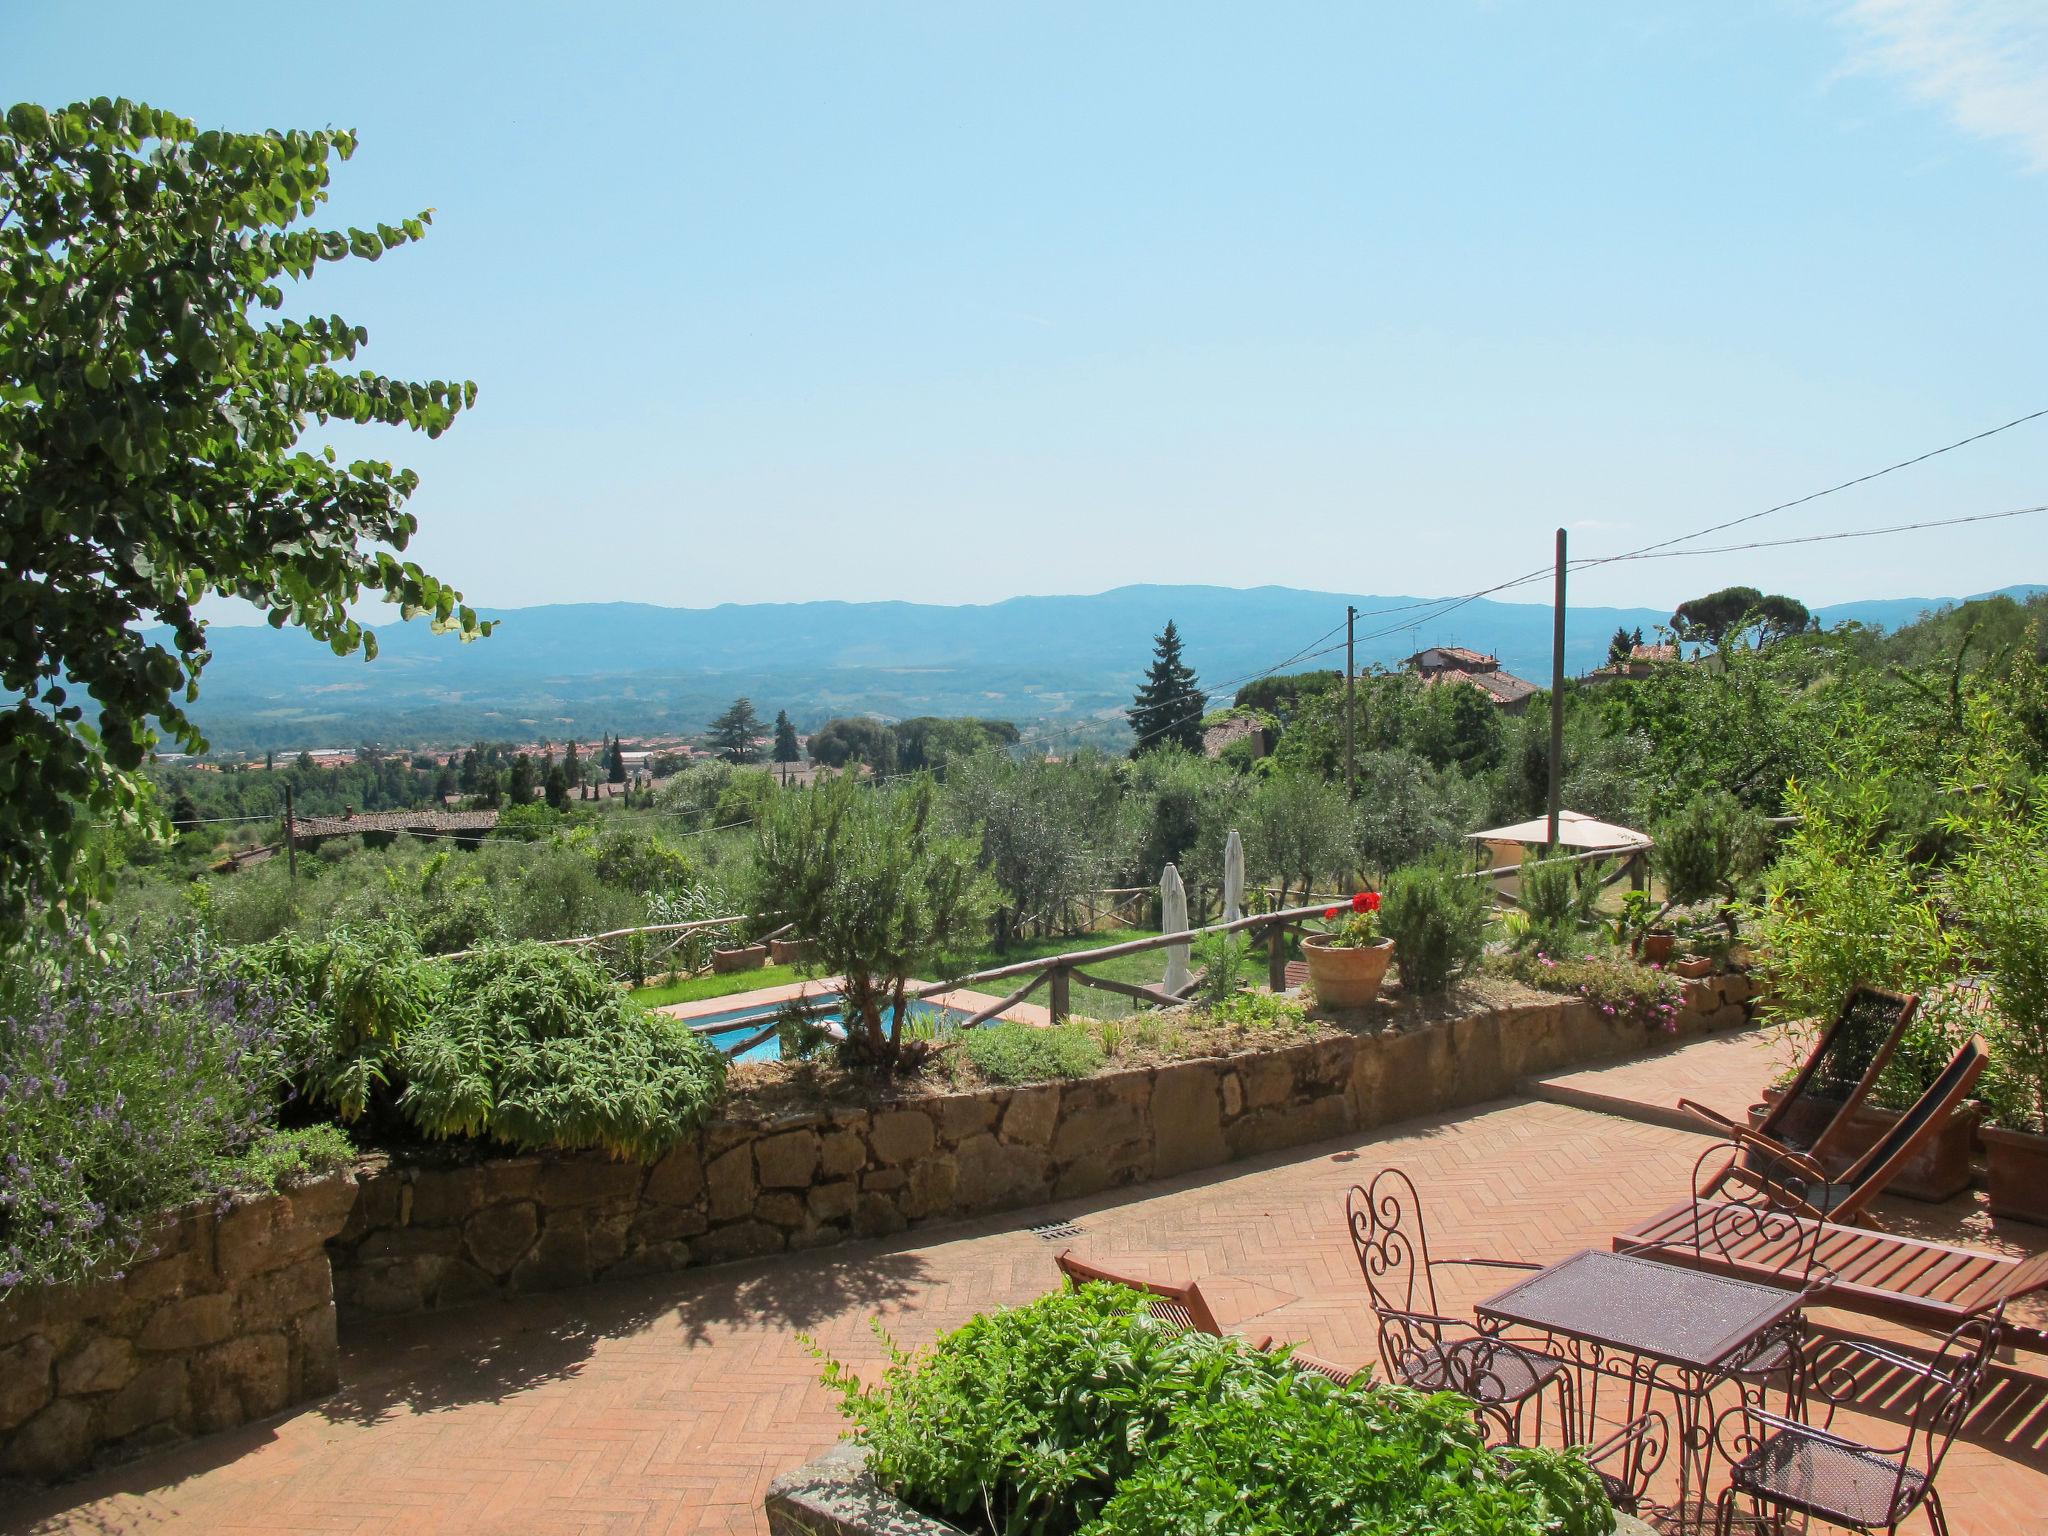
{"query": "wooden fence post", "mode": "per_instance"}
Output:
(1276, 958)
(1059, 1000)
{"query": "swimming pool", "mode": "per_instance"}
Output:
(731, 1026)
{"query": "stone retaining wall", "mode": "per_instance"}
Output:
(231, 1318)
(423, 1237)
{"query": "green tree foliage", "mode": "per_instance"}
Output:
(1040, 826)
(615, 763)
(521, 781)
(572, 766)
(1298, 832)
(1721, 616)
(1461, 727)
(151, 413)
(854, 739)
(786, 750)
(555, 786)
(1622, 644)
(1708, 849)
(927, 742)
(1279, 696)
(1178, 808)
(1167, 711)
(736, 734)
(870, 876)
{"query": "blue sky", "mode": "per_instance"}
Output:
(955, 302)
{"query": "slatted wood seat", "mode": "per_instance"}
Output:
(1879, 1274)
(1182, 1306)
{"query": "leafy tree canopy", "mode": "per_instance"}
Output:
(786, 749)
(854, 739)
(1731, 611)
(152, 405)
(736, 734)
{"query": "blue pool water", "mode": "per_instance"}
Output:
(724, 1030)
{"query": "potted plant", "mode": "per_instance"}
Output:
(1347, 964)
(2000, 887)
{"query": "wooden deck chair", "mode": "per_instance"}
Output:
(1835, 1078)
(1846, 1198)
(1183, 1306)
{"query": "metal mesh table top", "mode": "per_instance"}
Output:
(1684, 1317)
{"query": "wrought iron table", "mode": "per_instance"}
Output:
(1649, 1325)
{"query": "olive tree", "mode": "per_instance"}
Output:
(871, 878)
(152, 410)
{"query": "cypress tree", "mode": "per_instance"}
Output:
(1168, 708)
(786, 749)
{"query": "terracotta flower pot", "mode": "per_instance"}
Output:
(1657, 947)
(790, 951)
(725, 961)
(1346, 978)
(2017, 1163)
(1692, 967)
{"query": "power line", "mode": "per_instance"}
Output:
(1823, 538)
(1800, 501)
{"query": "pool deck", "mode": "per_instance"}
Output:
(962, 999)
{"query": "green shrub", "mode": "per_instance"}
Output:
(1222, 958)
(122, 1093)
(1010, 1052)
(1557, 903)
(282, 1159)
(1081, 1412)
(1708, 849)
(1437, 921)
(536, 1047)
(1261, 1010)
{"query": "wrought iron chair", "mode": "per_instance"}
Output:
(1807, 1469)
(1422, 1347)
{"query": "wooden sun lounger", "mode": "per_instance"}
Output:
(1878, 1274)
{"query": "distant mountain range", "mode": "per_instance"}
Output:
(587, 668)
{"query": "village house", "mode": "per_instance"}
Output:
(1440, 664)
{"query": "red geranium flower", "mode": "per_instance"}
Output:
(1366, 901)
(1332, 912)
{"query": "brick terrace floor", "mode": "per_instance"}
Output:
(666, 1405)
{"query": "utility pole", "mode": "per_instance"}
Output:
(291, 838)
(1557, 696)
(1350, 697)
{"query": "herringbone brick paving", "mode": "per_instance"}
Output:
(666, 1405)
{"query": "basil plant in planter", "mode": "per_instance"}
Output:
(1347, 964)
(2000, 887)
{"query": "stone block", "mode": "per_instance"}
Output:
(931, 1188)
(191, 1322)
(993, 1175)
(444, 1197)
(1287, 1125)
(511, 1178)
(499, 1236)
(587, 1180)
(884, 1181)
(1268, 1079)
(1233, 1096)
(877, 1216)
(841, 1153)
(266, 1300)
(1103, 1167)
(257, 1366)
(560, 1258)
(738, 1240)
(56, 1442)
(780, 1208)
(678, 1179)
(256, 1235)
(99, 1364)
(664, 1224)
(316, 1354)
(729, 1181)
(1187, 1119)
(156, 1394)
(966, 1114)
(463, 1282)
(1031, 1115)
(902, 1136)
(787, 1161)
(25, 1379)
(832, 1202)
(1094, 1126)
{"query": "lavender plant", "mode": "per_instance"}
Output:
(123, 1091)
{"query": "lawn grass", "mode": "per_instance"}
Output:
(1146, 967)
